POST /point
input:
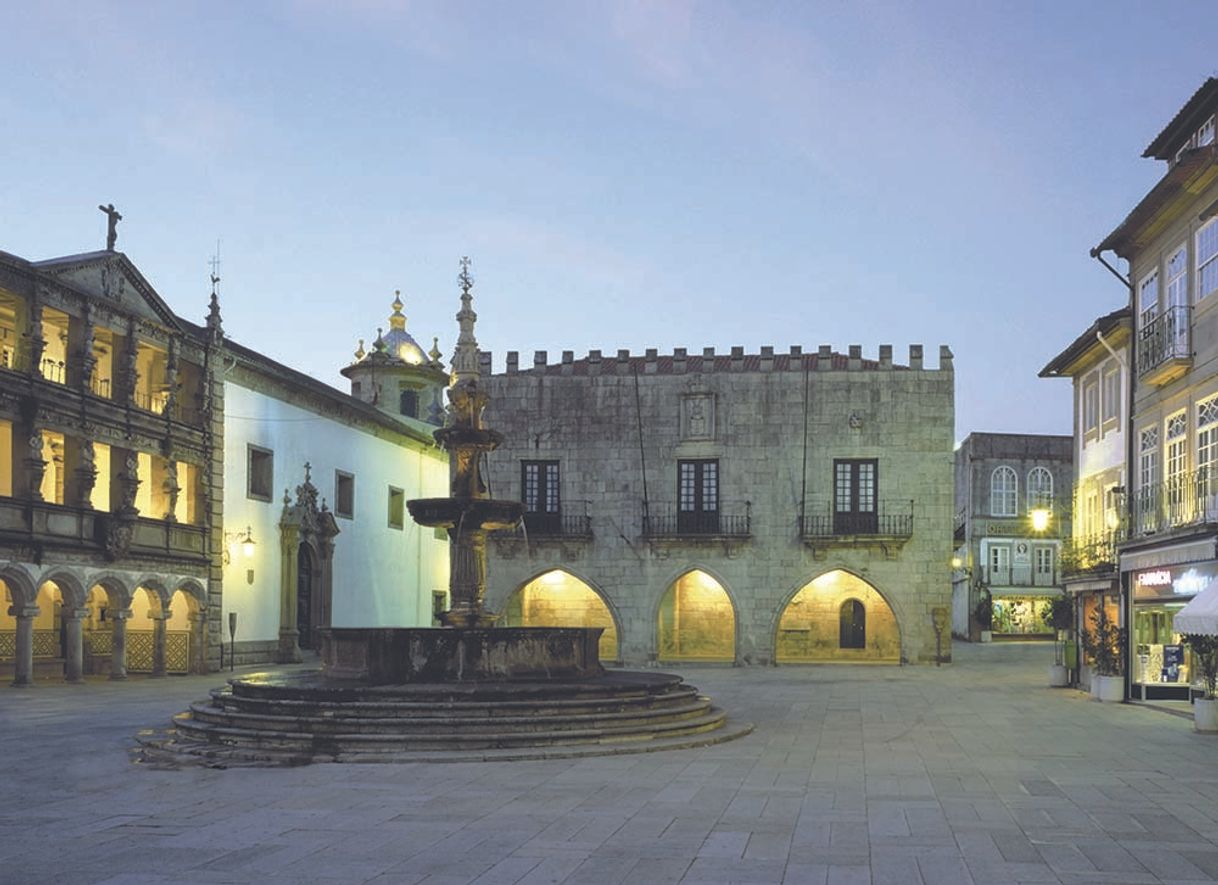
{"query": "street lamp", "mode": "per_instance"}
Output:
(1040, 519)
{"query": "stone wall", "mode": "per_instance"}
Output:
(618, 426)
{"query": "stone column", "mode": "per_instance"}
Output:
(198, 641)
(74, 664)
(159, 623)
(81, 361)
(23, 665)
(118, 649)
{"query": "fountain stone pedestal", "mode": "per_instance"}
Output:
(461, 654)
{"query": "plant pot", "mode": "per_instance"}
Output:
(1108, 689)
(1059, 676)
(986, 635)
(1205, 715)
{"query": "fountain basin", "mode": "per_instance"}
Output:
(470, 514)
(396, 656)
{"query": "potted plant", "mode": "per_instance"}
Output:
(984, 614)
(1205, 708)
(1104, 646)
(1058, 613)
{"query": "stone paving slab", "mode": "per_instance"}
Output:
(971, 773)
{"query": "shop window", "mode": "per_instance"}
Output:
(259, 473)
(344, 494)
(397, 508)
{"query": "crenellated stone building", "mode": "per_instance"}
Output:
(746, 508)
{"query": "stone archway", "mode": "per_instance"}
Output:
(557, 598)
(305, 530)
(696, 620)
(837, 616)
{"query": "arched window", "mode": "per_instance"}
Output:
(1040, 488)
(852, 629)
(1004, 486)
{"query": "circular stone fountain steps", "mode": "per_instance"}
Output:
(297, 720)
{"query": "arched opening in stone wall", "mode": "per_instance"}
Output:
(141, 631)
(183, 632)
(837, 617)
(696, 620)
(97, 631)
(559, 599)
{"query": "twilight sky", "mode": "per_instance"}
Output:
(629, 175)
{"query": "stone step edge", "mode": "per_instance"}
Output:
(712, 718)
(168, 754)
(212, 714)
(226, 695)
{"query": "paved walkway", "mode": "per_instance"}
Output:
(970, 773)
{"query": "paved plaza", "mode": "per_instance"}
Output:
(975, 772)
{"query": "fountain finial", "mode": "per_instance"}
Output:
(465, 358)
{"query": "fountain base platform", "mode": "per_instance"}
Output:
(444, 695)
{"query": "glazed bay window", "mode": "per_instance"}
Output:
(259, 473)
(539, 481)
(1207, 259)
(344, 494)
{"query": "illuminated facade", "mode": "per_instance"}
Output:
(1012, 517)
(153, 483)
(1097, 363)
(725, 507)
(1170, 241)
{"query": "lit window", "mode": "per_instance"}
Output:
(1004, 492)
(397, 508)
(259, 473)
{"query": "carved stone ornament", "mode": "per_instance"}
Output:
(855, 420)
(698, 416)
(120, 530)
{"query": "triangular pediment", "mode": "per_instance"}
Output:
(110, 278)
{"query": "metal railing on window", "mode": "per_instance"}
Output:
(100, 386)
(669, 521)
(572, 521)
(1167, 337)
(893, 519)
(1091, 554)
(53, 370)
(1186, 499)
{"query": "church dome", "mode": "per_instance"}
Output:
(397, 344)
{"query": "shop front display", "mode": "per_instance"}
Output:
(1162, 666)
(1021, 616)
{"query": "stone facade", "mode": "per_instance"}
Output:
(639, 470)
(1001, 554)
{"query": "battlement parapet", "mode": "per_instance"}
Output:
(682, 362)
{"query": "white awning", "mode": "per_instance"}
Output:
(1168, 554)
(1201, 614)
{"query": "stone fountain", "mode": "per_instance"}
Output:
(464, 691)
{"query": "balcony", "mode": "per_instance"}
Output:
(889, 527)
(1091, 554)
(1164, 347)
(569, 522)
(662, 521)
(1184, 500)
(43, 525)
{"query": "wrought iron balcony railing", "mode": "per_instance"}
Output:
(893, 519)
(1187, 499)
(572, 521)
(667, 521)
(1165, 341)
(1091, 554)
